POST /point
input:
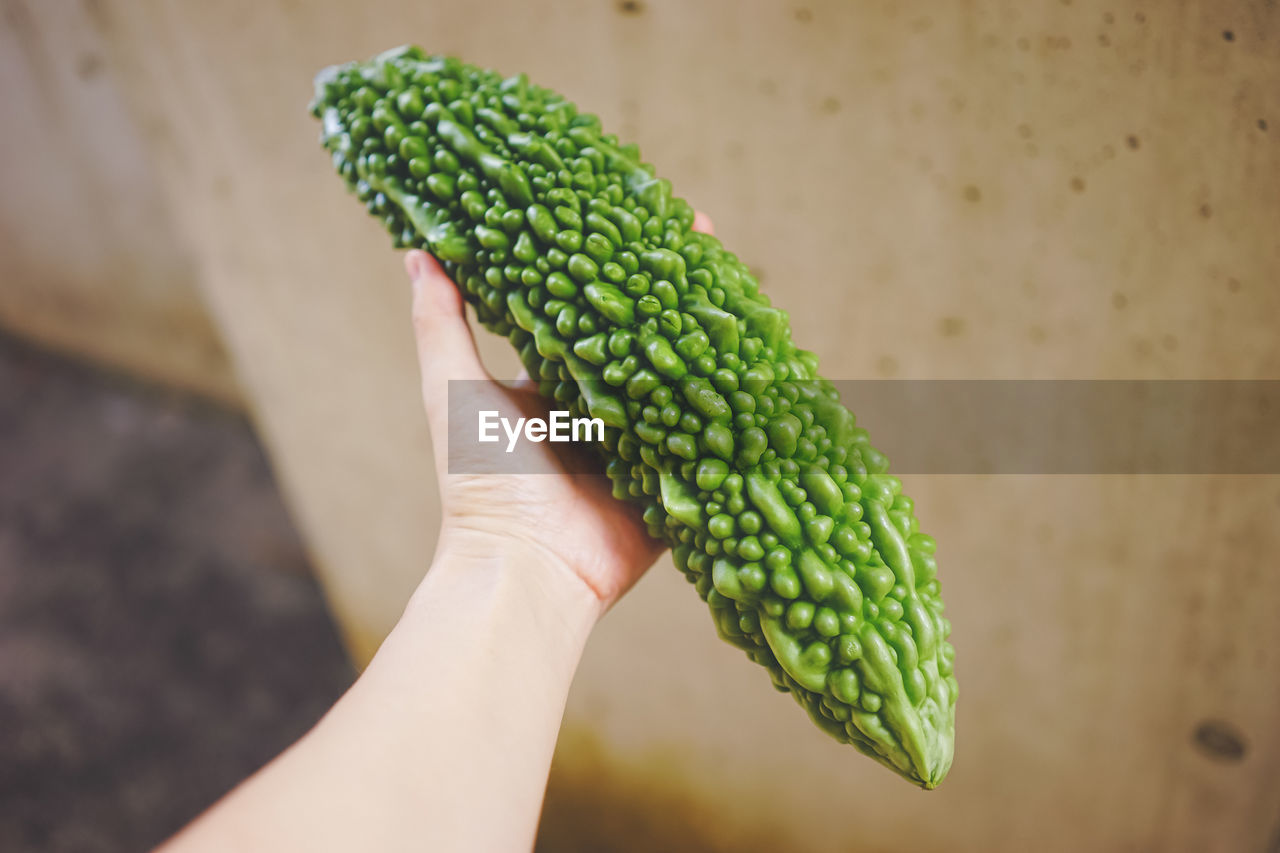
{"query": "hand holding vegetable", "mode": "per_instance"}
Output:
(723, 443)
(775, 505)
(573, 521)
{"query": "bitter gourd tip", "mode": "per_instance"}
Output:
(744, 460)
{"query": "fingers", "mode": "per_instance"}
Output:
(446, 348)
(702, 223)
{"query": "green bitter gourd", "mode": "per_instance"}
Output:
(777, 508)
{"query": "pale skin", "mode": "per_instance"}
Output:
(444, 742)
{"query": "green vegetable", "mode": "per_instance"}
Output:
(777, 508)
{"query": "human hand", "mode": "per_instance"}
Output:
(569, 521)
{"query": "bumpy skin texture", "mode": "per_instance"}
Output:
(777, 508)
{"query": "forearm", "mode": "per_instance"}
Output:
(445, 741)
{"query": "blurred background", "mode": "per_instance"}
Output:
(199, 330)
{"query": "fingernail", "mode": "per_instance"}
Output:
(413, 265)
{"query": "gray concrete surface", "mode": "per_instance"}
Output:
(160, 634)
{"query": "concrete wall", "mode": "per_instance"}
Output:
(90, 260)
(1074, 189)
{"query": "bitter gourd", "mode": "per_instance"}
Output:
(775, 505)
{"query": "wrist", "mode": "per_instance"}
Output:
(470, 687)
(517, 585)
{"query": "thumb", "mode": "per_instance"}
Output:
(446, 348)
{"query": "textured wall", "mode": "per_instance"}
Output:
(1072, 189)
(90, 260)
